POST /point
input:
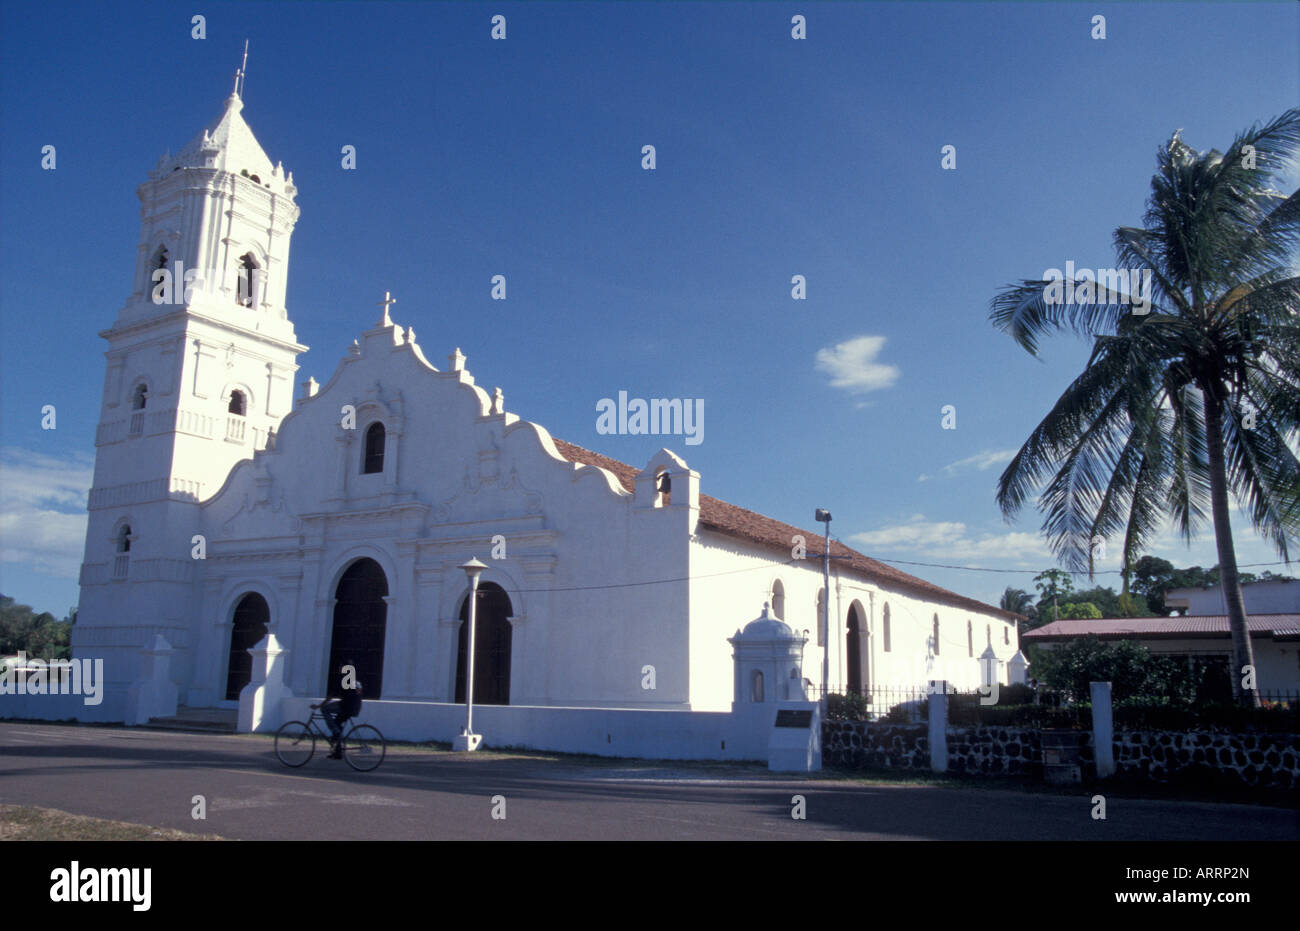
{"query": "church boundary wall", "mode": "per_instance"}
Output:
(655, 734)
(111, 710)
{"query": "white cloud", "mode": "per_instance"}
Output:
(982, 461)
(852, 365)
(43, 511)
(951, 541)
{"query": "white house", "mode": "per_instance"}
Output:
(1268, 596)
(1274, 639)
(222, 509)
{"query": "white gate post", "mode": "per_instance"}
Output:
(1103, 729)
(259, 701)
(939, 726)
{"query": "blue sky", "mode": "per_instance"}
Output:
(522, 157)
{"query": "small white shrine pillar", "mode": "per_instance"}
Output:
(768, 657)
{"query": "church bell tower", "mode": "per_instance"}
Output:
(200, 368)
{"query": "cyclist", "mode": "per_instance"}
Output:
(338, 711)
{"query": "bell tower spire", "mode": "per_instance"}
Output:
(201, 362)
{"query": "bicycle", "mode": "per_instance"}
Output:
(295, 743)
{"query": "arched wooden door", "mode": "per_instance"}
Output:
(492, 642)
(856, 638)
(247, 629)
(360, 617)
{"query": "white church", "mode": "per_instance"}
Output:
(330, 527)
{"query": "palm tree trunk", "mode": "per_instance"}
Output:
(1243, 654)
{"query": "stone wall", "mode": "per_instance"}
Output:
(1253, 760)
(859, 745)
(994, 751)
(1264, 761)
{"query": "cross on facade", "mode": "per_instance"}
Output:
(388, 299)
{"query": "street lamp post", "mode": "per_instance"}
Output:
(468, 740)
(825, 516)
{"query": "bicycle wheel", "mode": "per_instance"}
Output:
(294, 744)
(363, 748)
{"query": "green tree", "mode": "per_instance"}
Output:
(1134, 672)
(1152, 579)
(1053, 585)
(37, 635)
(1191, 395)
(1111, 604)
(1080, 610)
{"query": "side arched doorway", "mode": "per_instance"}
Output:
(491, 647)
(360, 616)
(248, 627)
(857, 637)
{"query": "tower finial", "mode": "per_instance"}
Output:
(239, 75)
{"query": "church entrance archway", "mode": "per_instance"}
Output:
(857, 636)
(360, 616)
(247, 629)
(491, 647)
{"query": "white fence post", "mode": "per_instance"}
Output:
(1103, 729)
(153, 694)
(259, 701)
(939, 726)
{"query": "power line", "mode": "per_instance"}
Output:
(686, 578)
(935, 565)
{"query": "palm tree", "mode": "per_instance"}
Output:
(1195, 398)
(1017, 600)
(1021, 602)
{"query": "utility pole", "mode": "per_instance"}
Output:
(825, 516)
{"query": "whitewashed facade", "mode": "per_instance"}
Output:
(222, 509)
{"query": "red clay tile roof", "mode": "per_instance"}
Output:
(1205, 625)
(756, 528)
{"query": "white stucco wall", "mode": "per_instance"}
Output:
(456, 475)
(1274, 597)
(732, 577)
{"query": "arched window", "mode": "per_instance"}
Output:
(821, 618)
(374, 453)
(238, 404)
(988, 635)
(122, 561)
(1006, 635)
(756, 686)
(246, 291)
(970, 638)
(935, 635)
(159, 259)
(139, 397)
(778, 600)
(885, 627)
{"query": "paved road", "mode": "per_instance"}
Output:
(150, 777)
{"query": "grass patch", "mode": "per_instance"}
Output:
(25, 822)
